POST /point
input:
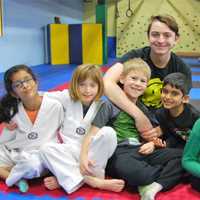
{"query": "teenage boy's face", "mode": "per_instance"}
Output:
(134, 84)
(172, 97)
(161, 38)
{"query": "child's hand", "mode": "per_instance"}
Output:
(85, 166)
(10, 126)
(149, 135)
(153, 133)
(147, 148)
(184, 137)
(159, 143)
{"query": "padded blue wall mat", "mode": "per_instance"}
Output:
(195, 94)
(191, 61)
(195, 78)
(195, 69)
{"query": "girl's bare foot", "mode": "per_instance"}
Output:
(51, 183)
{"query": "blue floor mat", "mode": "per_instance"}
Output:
(50, 76)
(17, 196)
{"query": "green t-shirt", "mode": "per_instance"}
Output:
(124, 125)
(191, 155)
(121, 122)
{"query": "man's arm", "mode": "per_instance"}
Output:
(118, 97)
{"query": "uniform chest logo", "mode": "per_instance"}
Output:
(80, 131)
(32, 136)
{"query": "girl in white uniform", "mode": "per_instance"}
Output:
(38, 119)
(81, 103)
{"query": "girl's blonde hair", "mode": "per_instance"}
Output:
(136, 64)
(82, 73)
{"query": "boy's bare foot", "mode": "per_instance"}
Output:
(51, 183)
(114, 185)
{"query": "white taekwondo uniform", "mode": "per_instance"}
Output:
(21, 151)
(63, 159)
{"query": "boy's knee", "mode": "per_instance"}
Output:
(139, 178)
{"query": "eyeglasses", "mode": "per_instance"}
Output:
(20, 84)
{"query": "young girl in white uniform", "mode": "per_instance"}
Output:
(38, 119)
(81, 103)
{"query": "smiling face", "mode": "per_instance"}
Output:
(24, 86)
(161, 38)
(88, 90)
(134, 84)
(173, 98)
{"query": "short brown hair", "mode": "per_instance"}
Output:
(136, 64)
(166, 19)
(83, 72)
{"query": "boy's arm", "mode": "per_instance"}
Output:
(118, 97)
(158, 142)
(84, 162)
(190, 160)
(155, 120)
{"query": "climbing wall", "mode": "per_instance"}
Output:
(133, 18)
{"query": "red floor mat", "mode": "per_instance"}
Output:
(37, 189)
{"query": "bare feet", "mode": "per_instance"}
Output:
(51, 183)
(114, 185)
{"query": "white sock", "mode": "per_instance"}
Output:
(148, 192)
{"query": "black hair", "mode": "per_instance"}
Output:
(177, 80)
(9, 103)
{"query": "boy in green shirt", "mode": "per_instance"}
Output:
(138, 163)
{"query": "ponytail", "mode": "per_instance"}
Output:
(8, 108)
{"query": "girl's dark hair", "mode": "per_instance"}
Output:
(9, 103)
